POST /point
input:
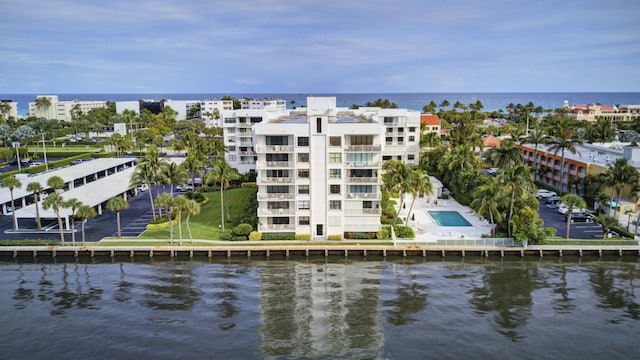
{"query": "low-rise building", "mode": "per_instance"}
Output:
(62, 110)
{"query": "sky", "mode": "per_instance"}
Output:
(320, 46)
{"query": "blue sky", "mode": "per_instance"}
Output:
(330, 46)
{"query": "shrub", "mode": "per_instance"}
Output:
(278, 236)
(226, 235)
(445, 196)
(162, 219)
(303, 236)
(249, 185)
(404, 232)
(242, 230)
(335, 237)
(384, 233)
(255, 235)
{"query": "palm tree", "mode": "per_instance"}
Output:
(193, 208)
(607, 222)
(73, 204)
(172, 174)
(618, 176)
(144, 174)
(193, 167)
(12, 183)
(507, 155)
(43, 103)
(430, 107)
(117, 204)
(55, 182)
(36, 189)
(486, 199)
(84, 213)
(180, 205)
(396, 174)
(417, 183)
(536, 137)
(165, 201)
(222, 173)
(573, 202)
(564, 140)
(56, 202)
(517, 181)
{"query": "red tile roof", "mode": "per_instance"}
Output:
(430, 119)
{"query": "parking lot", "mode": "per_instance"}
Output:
(579, 230)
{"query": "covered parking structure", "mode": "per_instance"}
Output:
(74, 176)
(94, 194)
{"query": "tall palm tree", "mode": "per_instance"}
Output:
(517, 181)
(84, 213)
(55, 182)
(193, 208)
(486, 200)
(73, 204)
(36, 189)
(396, 174)
(507, 155)
(165, 201)
(144, 174)
(193, 167)
(620, 175)
(417, 183)
(564, 140)
(172, 174)
(573, 202)
(222, 173)
(57, 203)
(11, 183)
(536, 137)
(180, 205)
(42, 105)
(117, 204)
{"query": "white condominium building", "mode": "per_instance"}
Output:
(8, 109)
(62, 110)
(209, 109)
(263, 104)
(318, 168)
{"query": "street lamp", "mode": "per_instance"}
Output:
(17, 146)
(44, 150)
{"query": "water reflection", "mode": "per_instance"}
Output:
(170, 286)
(411, 296)
(609, 285)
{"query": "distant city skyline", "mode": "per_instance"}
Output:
(305, 46)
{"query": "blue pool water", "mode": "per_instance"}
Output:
(449, 218)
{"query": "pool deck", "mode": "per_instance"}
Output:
(428, 230)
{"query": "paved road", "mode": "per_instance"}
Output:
(133, 221)
(552, 218)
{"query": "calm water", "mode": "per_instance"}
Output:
(415, 101)
(530, 309)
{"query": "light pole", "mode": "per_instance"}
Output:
(44, 149)
(17, 146)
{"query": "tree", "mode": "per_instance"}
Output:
(193, 208)
(55, 182)
(507, 155)
(564, 140)
(42, 105)
(618, 176)
(517, 181)
(486, 199)
(607, 222)
(73, 204)
(222, 173)
(417, 183)
(193, 167)
(536, 137)
(84, 213)
(573, 202)
(36, 189)
(144, 175)
(56, 202)
(11, 183)
(117, 204)
(396, 174)
(180, 205)
(430, 107)
(165, 201)
(172, 174)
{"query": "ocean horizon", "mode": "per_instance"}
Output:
(492, 101)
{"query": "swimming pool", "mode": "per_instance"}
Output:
(449, 218)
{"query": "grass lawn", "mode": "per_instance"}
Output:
(206, 225)
(67, 148)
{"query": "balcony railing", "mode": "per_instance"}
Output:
(275, 180)
(361, 212)
(247, 152)
(363, 148)
(245, 125)
(362, 164)
(275, 196)
(274, 148)
(375, 195)
(275, 164)
(275, 212)
(363, 180)
(276, 227)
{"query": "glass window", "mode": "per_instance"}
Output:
(389, 140)
(303, 189)
(303, 220)
(335, 173)
(303, 173)
(302, 157)
(411, 157)
(335, 204)
(335, 158)
(304, 204)
(334, 189)
(400, 140)
(277, 189)
(277, 140)
(389, 130)
(400, 130)
(303, 141)
(412, 138)
(412, 129)
(335, 141)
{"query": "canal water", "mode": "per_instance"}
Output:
(568, 308)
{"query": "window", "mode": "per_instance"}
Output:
(303, 173)
(303, 157)
(277, 140)
(304, 204)
(232, 148)
(335, 141)
(412, 138)
(367, 204)
(361, 189)
(303, 220)
(229, 120)
(335, 204)
(335, 173)
(232, 158)
(388, 120)
(277, 173)
(361, 139)
(400, 130)
(389, 140)
(386, 157)
(319, 125)
(335, 158)
(411, 157)
(389, 130)
(275, 205)
(303, 189)
(334, 189)
(277, 157)
(400, 140)
(303, 141)
(277, 189)
(412, 129)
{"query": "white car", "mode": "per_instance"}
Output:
(564, 209)
(544, 193)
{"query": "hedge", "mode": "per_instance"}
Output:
(335, 237)
(255, 235)
(303, 237)
(278, 236)
(161, 225)
(249, 185)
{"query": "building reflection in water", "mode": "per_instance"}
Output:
(313, 309)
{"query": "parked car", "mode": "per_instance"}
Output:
(184, 188)
(580, 217)
(36, 163)
(552, 199)
(544, 193)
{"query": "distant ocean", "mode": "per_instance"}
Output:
(414, 101)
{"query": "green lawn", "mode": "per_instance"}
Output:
(206, 225)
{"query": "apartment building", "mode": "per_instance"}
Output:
(318, 168)
(210, 111)
(62, 110)
(8, 109)
(594, 112)
(263, 104)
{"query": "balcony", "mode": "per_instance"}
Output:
(275, 180)
(275, 212)
(370, 196)
(276, 196)
(274, 148)
(245, 125)
(363, 212)
(275, 164)
(362, 164)
(363, 180)
(276, 227)
(363, 148)
(247, 152)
